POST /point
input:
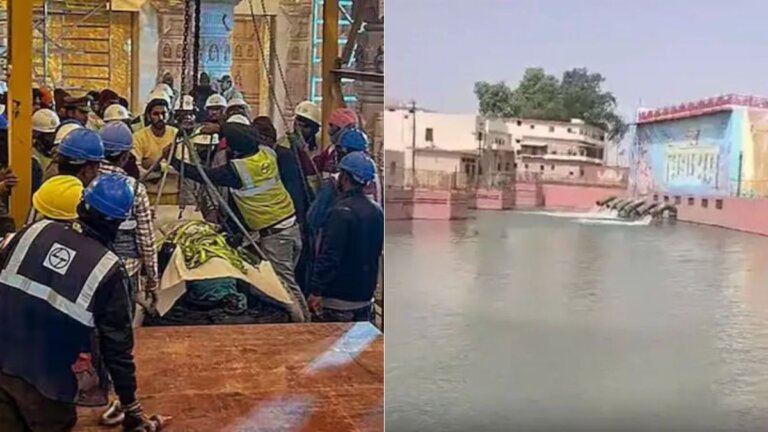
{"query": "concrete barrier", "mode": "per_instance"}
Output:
(561, 196)
(493, 199)
(743, 214)
(425, 204)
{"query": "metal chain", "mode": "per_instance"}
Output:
(196, 46)
(185, 50)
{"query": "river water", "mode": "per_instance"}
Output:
(514, 321)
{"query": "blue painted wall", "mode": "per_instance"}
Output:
(697, 155)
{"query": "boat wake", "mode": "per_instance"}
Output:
(577, 215)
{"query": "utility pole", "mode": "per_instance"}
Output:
(413, 145)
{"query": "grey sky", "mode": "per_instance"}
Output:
(663, 51)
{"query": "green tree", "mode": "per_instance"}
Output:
(494, 99)
(538, 95)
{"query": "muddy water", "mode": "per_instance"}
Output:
(528, 322)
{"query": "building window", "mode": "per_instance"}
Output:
(551, 167)
(541, 167)
(526, 166)
(429, 135)
(519, 123)
(570, 130)
(570, 173)
(517, 140)
(533, 126)
(677, 200)
(655, 197)
(498, 166)
(515, 165)
(704, 203)
(551, 128)
(581, 172)
(506, 167)
(666, 198)
(392, 167)
(719, 204)
(690, 201)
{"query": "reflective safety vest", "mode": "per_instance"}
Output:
(42, 159)
(47, 330)
(263, 201)
(125, 242)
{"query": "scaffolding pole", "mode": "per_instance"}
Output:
(19, 105)
(330, 60)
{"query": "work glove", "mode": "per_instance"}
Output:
(136, 421)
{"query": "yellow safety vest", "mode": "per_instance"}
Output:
(42, 159)
(263, 200)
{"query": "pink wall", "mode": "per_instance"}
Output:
(398, 204)
(743, 214)
(494, 199)
(425, 204)
(576, 197)
(528, 195)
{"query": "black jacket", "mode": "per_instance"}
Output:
(112, 305)
(347, 266)
(290, 175)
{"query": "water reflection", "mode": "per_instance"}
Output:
(509, 320)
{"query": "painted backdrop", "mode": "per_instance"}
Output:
(697, 155)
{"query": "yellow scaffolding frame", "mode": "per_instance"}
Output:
(19, 105)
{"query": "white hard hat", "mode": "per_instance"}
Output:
(215, 100)
(186, 103)
(310, 111)
(116, 112)
(239, 118)
(165, 88)
(205, 139)
(159, 95)
(45, 121)
(63, 131)
(237, 102)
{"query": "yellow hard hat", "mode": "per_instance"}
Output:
(58, 197)
(310, 111)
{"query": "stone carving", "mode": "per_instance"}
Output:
(179, 51)
(379, 60)
(239, 79)
(227, 52)
(213, 53)
(295, 55)
(167, 51)
(250, 51)
(238, 51)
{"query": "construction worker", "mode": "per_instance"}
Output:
(201, 93)
(44, 125)
(57, 199)
(303, 140)
(135, 242)
(352, 139)
(228, 89)
(64, 277)
(214, 107)
(237, 106)
(345, 272)
(62, 131)
(184, 113)
(80, 154)
(258, 197)
(117, 112)
(291, 176)
(341, 119)
(148, 143)
(76, 108)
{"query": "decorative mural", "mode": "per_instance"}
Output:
(248, 69)
(698, 155)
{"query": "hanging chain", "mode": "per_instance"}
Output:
(196, 46)
(185, 50)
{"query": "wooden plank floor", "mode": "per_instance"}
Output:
(260, 378)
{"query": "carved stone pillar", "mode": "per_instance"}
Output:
(369, 57)
(216, 24)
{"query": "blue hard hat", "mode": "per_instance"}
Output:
(353, 139)
(110, 194)
(116, 136)
(82, 145)
(359, 166)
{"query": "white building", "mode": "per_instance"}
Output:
(452, 143)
